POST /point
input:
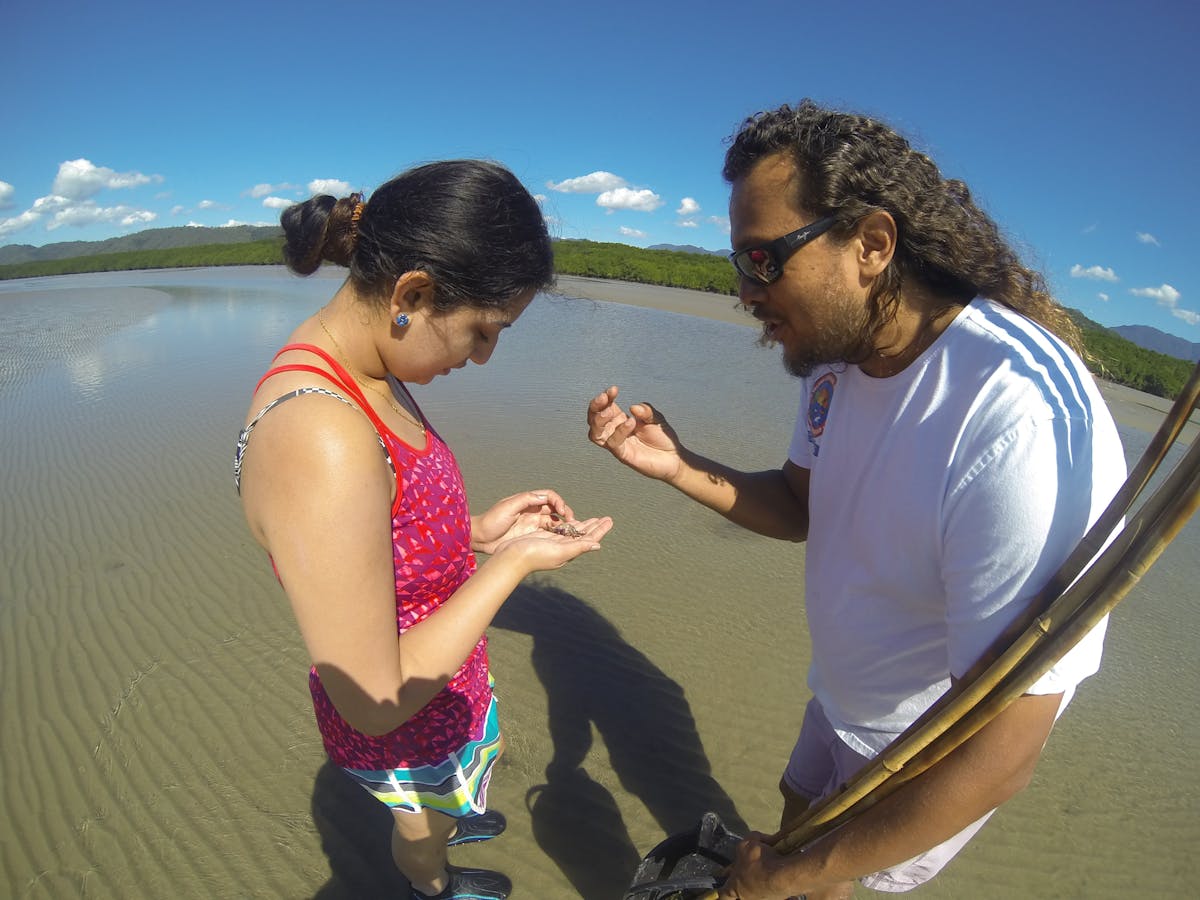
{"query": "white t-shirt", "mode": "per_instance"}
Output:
(941, 500)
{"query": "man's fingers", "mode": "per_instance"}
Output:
(647, 414)
(603, 399)
(607, 422)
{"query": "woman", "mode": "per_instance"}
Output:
(360, 504)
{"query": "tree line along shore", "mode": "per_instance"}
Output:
(1112, 357)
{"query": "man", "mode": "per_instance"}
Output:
(949, 452)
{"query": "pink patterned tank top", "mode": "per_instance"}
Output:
(432, 557)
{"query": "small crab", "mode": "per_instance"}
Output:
(563, 527)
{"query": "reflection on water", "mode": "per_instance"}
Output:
(158, 738)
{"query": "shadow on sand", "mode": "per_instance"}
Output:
(593, 679)
(356, 835)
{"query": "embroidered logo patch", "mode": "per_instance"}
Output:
(818, 408)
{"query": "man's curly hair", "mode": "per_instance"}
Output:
(850, 165)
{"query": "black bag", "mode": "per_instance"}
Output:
(686, 865)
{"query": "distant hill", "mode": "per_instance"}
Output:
(1160, 341)
(688, 248)
(150, 239)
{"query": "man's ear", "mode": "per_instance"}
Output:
(875, 237)
(413, 290)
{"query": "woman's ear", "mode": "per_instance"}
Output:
(413, 290)
(876, 243)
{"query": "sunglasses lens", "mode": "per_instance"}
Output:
(758, 264)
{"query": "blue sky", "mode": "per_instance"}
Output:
(1075, 123)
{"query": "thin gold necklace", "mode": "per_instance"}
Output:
(361, 379)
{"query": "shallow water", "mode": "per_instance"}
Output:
(158, 737)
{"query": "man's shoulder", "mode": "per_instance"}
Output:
(1008, 332)
(1014, 355)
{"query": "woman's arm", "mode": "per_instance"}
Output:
(317, 492)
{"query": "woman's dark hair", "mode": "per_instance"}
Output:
(849, 166)
(468, 224)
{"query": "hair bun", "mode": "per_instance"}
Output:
(321, 229)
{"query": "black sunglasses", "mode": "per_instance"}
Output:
(764, 263)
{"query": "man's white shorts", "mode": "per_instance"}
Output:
(821, 762)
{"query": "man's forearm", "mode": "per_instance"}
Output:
(978, 776)
(762, 502)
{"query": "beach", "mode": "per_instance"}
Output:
(159, 736)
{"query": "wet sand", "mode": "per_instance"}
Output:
(718, 307)
(158, 734)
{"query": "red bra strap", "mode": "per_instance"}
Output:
(297, 367)
(345, 379)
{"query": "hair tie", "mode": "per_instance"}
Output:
(355, 215)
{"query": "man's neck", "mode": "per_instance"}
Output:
(920, 318)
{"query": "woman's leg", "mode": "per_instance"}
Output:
(419, 848)
(419, 844)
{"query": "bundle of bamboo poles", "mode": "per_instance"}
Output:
(1060, 615)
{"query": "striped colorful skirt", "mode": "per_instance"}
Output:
(456, 787)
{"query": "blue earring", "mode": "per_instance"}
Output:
(402, 319)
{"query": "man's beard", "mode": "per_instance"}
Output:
(845, 338)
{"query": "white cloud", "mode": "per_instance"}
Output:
(595, 183)
(540, 198)
(70, 202)
(65, 211)
(1095, 273)
(50, 203)
(721, 222)
(78, 179)
(88, 212)
(232, 223)
(687, 207)
(1090, 229)
(6, 194)
(688, 223)
(644, 200)
(1164, 295)
(632, 232)
(1145, 238)
(1168, 297)
(176, 210)
(261, 190)
(333, 186)
(276, 203)
(16, 223)
(1103, 296)
(210, 204)
(1192, 318)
